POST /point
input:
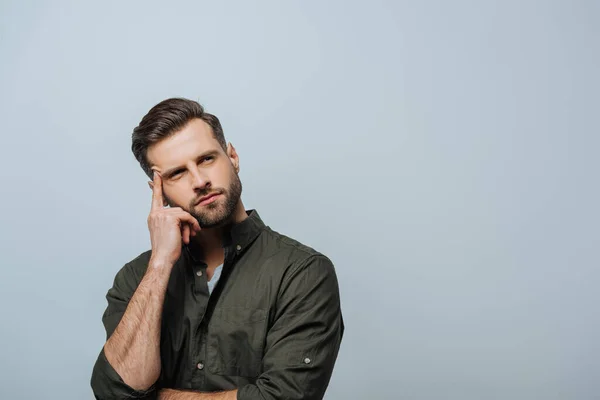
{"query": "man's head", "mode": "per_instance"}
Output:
(187, 147)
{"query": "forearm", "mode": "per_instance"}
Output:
(133, 350)
(170, 394)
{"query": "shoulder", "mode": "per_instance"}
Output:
(296, 250)
(299, 256)
(131, 274)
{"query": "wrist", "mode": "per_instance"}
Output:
(158, 272)
(160, 264)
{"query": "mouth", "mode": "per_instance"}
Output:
(208, 199)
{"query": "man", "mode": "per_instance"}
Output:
(222, 306)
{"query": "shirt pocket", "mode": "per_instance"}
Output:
(236, 340)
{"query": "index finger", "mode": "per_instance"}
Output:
(157, 197)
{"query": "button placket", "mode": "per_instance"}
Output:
(199, 277)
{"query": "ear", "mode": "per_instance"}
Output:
(233, 156)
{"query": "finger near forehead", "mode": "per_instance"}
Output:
(157, 197)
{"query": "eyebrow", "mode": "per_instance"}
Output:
(171, 171)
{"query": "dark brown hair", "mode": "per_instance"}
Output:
(163, 120)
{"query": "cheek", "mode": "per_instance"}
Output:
(176, 196)
(222, 177)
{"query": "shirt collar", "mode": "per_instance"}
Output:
(240, 235)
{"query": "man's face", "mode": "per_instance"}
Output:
(198, 175)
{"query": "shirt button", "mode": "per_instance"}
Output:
(307, 360)
(238, 247)
(200, 366)
(199, 273)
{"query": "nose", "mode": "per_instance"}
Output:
(200, 181)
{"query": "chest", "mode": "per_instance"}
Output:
(225, 332)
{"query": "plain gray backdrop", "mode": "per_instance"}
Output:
(444, 154)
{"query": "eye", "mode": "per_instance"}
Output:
(177, 173)
(207, 158)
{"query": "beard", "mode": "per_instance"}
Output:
(220, 211)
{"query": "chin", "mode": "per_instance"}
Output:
(210, 221)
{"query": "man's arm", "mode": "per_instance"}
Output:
(303, 343)
(129, 306)
(133, 349)
(129, 363)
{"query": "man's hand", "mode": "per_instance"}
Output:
(168, 227)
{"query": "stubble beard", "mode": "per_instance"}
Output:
(220, 211)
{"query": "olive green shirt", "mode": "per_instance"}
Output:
(271, 328)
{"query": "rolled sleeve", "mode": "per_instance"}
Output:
(106, 382)
(303, 342)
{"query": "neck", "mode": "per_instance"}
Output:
(210, 240)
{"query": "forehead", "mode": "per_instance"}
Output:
(188, 143)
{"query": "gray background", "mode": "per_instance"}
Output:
(444, 154)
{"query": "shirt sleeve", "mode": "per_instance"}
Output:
(303, 343)
(106, 382)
